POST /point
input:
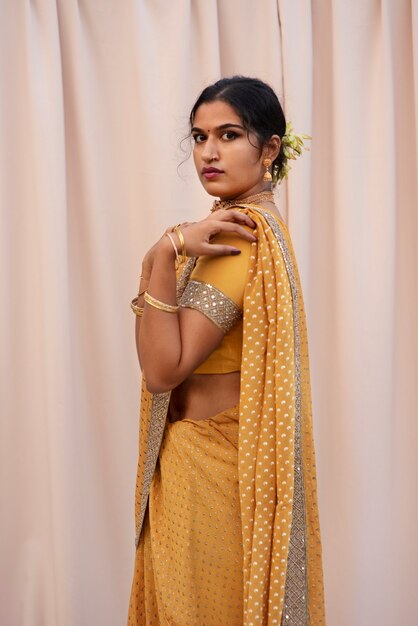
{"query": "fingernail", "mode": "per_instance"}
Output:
(235, 252)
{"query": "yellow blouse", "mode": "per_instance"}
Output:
(216, 289)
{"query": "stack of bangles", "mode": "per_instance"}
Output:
(157, 304)
(179, 257)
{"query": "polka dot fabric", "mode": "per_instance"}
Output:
(275, 414)
(188, 567)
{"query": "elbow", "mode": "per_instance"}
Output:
(162, 378)
(156, 388)
(156, 384)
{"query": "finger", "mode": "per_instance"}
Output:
(230, 215)
(233, 227)
(220, 250)
(238, 216)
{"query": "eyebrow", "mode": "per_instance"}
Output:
(221, 127)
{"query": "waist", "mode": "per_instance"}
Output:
(204, 395)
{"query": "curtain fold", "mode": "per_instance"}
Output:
(94, 101)
(363, 303)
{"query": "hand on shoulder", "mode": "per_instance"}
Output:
(198, 236)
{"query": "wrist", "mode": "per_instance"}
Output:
(165, 249)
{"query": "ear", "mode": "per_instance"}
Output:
(272, 147)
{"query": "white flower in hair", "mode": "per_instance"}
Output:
(292, 145)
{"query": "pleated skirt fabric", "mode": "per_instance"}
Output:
(189, 561)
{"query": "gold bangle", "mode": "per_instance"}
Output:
(157, 304)
(177, 262)
(138, 310)
(181, 239)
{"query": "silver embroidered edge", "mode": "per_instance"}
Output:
(159, 410)
(184, 277)
(212, 302)
(295, 608)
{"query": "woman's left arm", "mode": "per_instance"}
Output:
(172, 345)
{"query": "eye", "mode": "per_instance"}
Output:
(198, 137)
(229, 135)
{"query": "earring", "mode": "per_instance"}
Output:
(267, 175)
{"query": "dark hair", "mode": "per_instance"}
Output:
(256, 104)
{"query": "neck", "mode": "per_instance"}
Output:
(253, 198)
(253, 191)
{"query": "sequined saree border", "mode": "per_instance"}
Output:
(295, 608)
(212, 302)
(184, 277)
(159, 410)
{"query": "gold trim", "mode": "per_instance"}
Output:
(212, 302)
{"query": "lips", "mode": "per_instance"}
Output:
(211, 172)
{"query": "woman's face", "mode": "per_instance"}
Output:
(228, 165)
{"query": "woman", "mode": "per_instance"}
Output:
(226, 506)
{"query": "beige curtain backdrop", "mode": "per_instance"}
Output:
(94, 98)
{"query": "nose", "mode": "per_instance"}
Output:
(210, 151)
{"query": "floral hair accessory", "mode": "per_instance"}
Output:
(292, 145)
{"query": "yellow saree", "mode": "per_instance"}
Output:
(226, 508)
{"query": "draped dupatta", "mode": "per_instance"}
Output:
(276, 458)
